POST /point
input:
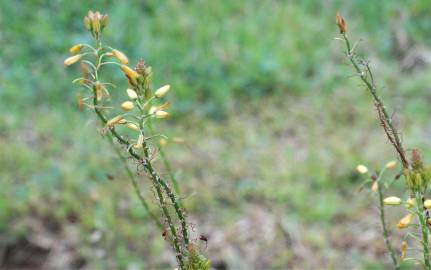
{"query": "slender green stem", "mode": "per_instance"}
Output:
(424, 229)
(384, 227)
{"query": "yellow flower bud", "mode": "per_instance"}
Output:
(163, 142)
(72, 60)
(139, 142)
(132, 94)
(122, 121)
(132, 126)
(427, 204)
(127, 106)
(391, 164)
(113, 121)
(361, 169)
(162, 91)
(405, 221)
(76, 48)
(403, 250)
(375, 186)
(410, 203)
(161, 114)
(392, 201)
(130, 73)
(120, 56)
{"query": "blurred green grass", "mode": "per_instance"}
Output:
(272, 117)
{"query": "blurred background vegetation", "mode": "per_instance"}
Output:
(274, 121)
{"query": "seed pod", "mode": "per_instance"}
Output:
(362, 169)
(161, 114)
(120, 56)
(392, 201)
(162, 91)
(132, 94)
(72, 59)
(132, 126)
(76, 48)
(127, 106)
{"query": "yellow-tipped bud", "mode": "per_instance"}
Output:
(161, 92)
(375, 186)
(132, 126)
(76, 48)
(72, 60)
(127, 106)
(405, 221)
(113, 121)
(427, 204)
(391, 164)
(361, 169)
(130, 73)
(139, 142)
(392, 201)
(132, 94)
(120, 56)
(161, 114)
(410, 203)
(163, 142)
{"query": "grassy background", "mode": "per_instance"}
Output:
(274, 122)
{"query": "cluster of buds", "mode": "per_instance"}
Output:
(95, 22)
(409, 203)
(418, 176)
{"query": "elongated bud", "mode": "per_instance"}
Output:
(113, 121)
(161, 114)
(391, 164)
(163, 142)
(122, 121)
(120, 56)
(76, 48)
(410, 203)
(139, 142)
(178, 140)
(161, 92)
(361, 169)
(375, 186)
(403, 250)
(427, 204)
(405, 221)
(132, 126)
(392, 201)
(130, 73)
(132, 94)
(72, 60)
(341, 23)
(127, 106)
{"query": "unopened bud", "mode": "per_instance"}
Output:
(132, 94)
(127, 106)
(375, 186)
(341, 23)
(132, 126)
(76, 48)
(130, 73)
(72, 60)
(139, 142)
(405, 221)
(161, 114)
(410, 203)
(113, 121)
(392, 201)
(163, 142)
(403, 250)
(391, 164)
(427, 204)
(361, 169)
(162, 91)
(120, 56)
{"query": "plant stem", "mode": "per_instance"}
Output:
(424, 229)
(384, 227)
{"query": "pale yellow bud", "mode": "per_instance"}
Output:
(113, 121)
(152, 110)
(410, 203)
(139, 142)
(132, 126)
(72, 60)
(76, 48)
(161, 114)
(127, 106)
(161, 92)
(178, 140)
(163, 142)
(405, 221)
(427, 204)
(375, 186)
(391, 164)
(122, 121)
(132, 74)
(120, 56)
(132, 94)
(361, 169)
(392, 201)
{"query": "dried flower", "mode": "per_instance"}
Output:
(72, 59)
(132, 94)
(76, 48)
(120, 56)
(162, 91)
(391, 164)
(131, 74)
(113, 121)
(392, 200)
(341, 23)
(161, 114)
(127, 106)
(405, 221)
(362, 169)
